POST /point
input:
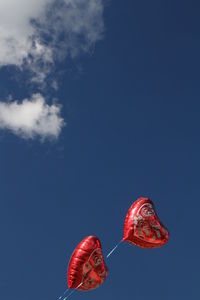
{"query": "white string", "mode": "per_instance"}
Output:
(73, 291)
(111, 252)
(65, 292)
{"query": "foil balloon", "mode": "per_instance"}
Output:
(142, 226)
(87, 269)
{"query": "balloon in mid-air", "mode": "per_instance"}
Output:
(142, 226)
(87, 269)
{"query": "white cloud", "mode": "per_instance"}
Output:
(32, 117)
(16, 30)
(74, 25)
(34, 36)
(36, 33)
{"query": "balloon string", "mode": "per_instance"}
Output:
(113, 250)
(65, 292)
(73, 291)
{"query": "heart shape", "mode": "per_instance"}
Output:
(87, 269)
(142, 227)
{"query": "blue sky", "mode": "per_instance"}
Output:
(131, 108)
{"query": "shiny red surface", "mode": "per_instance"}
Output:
(142, 226)
(87, 269)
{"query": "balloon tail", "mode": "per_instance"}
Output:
(113, 250)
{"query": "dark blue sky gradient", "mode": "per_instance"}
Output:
(132, 110)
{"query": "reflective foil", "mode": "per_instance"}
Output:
(142, 226)
(87, 269)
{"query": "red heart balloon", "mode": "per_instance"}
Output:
(87, 269)
(142, 226)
